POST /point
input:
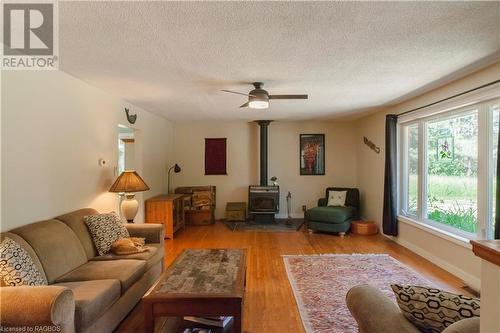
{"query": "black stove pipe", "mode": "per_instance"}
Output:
(263, 124)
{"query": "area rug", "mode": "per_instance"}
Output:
(320, 284)
(279, 226)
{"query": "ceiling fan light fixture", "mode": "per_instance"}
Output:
(258, 104)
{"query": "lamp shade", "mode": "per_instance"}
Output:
(129, 181)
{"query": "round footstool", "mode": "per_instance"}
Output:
(361, 227)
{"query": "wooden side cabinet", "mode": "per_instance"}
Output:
(167, 209)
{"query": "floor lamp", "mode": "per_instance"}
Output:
(176, 169)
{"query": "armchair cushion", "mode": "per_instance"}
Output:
(330, 214)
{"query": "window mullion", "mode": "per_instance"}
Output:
(422, 174)
(483, 169)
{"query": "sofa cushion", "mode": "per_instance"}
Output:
(92, 298)
(330, 214)
(75, 221)
(127, 271)
(153, 256)
(432, 310)
(55, 244)
(105, 229)
(17, 268)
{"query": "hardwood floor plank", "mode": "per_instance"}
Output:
(270, 305)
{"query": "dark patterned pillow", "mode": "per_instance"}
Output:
(432, 310)
(105, 229)
(17, 267)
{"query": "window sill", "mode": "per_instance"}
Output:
(462, 241)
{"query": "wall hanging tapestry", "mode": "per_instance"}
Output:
(321, 282)
(312, 154)
(215, 156)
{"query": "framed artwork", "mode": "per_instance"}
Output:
(312, 154)
(215, 156)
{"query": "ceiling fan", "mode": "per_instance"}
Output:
(259, 98)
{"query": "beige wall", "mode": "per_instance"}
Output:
(54, 130)
(370, 175)
(243, 161)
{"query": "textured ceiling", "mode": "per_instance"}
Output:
(173, 58)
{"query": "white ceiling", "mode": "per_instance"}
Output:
(173, 58)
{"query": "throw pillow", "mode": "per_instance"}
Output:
(336, 198)
(105, 229)
(17, 268)
(432, 310)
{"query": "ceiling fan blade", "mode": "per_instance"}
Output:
(235, 92)
(288, 97)
(244, 105)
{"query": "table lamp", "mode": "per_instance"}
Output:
(128, 182)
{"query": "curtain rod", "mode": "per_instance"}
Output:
(447, 98)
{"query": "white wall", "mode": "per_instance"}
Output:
(54, 130)
(243, 159)
(457, 259)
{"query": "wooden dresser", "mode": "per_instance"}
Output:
(167, 209)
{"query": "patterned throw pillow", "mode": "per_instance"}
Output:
(432, 310)
(336, 198)
(105, 229)
(17, 267)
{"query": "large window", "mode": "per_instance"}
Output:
(447, 169)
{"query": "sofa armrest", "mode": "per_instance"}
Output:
(29, 306)
(322, 202)
(153, 232)
(376, 313)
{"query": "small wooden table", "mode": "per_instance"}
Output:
(200, 282)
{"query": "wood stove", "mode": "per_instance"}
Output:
(263, 200)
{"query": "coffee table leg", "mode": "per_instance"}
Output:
(149, 320)
(238, 320)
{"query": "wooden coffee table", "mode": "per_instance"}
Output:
(200, 282)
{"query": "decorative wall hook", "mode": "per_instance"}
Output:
(371, 145)
(130, 117)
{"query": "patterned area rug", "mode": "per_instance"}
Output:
(280, 225)
(320, 284)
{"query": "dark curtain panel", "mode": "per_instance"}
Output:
(390, 219)
(497, 205)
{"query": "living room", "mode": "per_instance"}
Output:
(169, 77)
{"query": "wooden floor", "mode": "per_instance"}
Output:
(270, 305)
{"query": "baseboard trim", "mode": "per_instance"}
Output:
(470, 280)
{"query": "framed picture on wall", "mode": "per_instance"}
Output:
(215, 156)
(312, 154)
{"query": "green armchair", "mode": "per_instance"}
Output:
(334, 218)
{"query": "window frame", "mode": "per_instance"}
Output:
(482, 102)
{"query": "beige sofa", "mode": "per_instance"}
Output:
(376, 313)
(86, 292)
